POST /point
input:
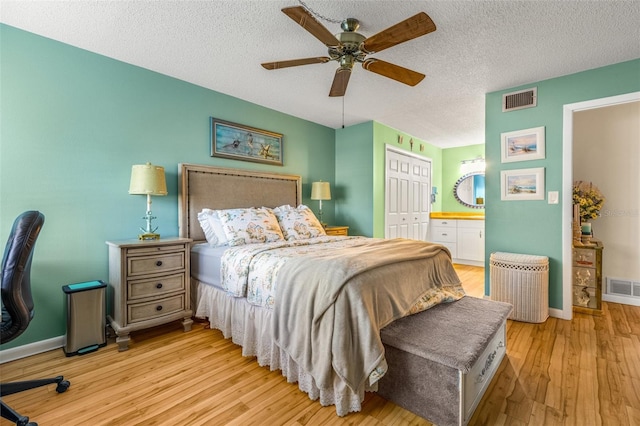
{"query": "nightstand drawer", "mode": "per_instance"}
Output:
(337, 230)
(585, 297)
(584, 257)
(154, 309)
(155, 249)
(155, 264)
(584, 277)
(138, 289)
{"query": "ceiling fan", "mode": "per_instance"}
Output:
(350, 47)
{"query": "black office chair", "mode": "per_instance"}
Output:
(17, 303)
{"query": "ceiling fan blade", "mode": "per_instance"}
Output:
(416, 26)
(395, 72)
(295, 62)
(340, 81)
(309, 23)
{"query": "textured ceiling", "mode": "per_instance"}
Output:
(478, 47)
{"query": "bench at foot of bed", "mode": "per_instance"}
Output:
(442, 360)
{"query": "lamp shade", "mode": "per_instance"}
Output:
(147, 179)
(320, 191)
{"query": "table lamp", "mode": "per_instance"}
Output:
(147, 179)
(320, 191)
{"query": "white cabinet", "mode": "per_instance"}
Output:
(463, 238)
(444, 231)
(471, 240)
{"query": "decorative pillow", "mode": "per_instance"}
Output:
(250, 226)
(298, 223)
(212, 227)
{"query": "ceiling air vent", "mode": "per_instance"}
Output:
(519, 100)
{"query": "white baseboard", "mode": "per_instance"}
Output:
(634, 301)
(24, 351)
(559, 313)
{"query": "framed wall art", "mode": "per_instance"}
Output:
(523, 145)
(522, 184)
(240, 142)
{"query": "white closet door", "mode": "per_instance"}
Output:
(398, 175)
(407, 196)
(421, 200)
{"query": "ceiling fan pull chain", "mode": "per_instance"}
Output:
(317, 15)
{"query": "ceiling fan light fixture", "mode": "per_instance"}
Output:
(349, 47)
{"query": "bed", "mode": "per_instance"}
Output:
(320, 324)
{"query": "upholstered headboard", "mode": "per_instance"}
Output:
(220, 188)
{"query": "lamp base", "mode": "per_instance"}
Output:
(149, 236)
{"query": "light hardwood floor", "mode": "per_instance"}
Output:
(580, 372)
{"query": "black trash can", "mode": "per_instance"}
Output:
(86, 317)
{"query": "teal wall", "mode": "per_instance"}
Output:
(72, 125)
(535, 227)
(452, 158)
(353, 194)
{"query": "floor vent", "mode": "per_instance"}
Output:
(623, 287)
(519, 100)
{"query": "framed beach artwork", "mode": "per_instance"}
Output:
(240, 142)
(522, 184)
(523, 145)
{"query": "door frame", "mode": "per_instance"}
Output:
(567, 189)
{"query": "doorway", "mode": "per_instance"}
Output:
(567, 187)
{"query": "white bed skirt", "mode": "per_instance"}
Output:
(250, 327)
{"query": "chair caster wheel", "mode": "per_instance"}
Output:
(24, 421)
(63, 386)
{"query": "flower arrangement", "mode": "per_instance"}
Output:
(589, 198)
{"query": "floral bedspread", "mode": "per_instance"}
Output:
(251, 270)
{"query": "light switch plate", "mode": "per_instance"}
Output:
(553, 197)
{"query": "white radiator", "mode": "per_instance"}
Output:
(523, 281)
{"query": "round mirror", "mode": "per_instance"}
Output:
(469, 190)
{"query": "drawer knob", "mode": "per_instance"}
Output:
(159, 285)
(159, 308)
(159, 263)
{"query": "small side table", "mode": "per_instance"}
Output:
(587, 279)
(337, 230)
(150, 281)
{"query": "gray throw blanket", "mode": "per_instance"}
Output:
(329, 309)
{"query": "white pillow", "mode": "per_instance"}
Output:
(298, 223)
(212, 227)
(250, 226)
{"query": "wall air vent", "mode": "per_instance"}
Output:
(623, 287)
(519, 100)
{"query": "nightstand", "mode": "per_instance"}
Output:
(337, 230)
(150, 283)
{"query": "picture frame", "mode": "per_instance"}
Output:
(239, 142)
(522, 184)
(523, 145)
